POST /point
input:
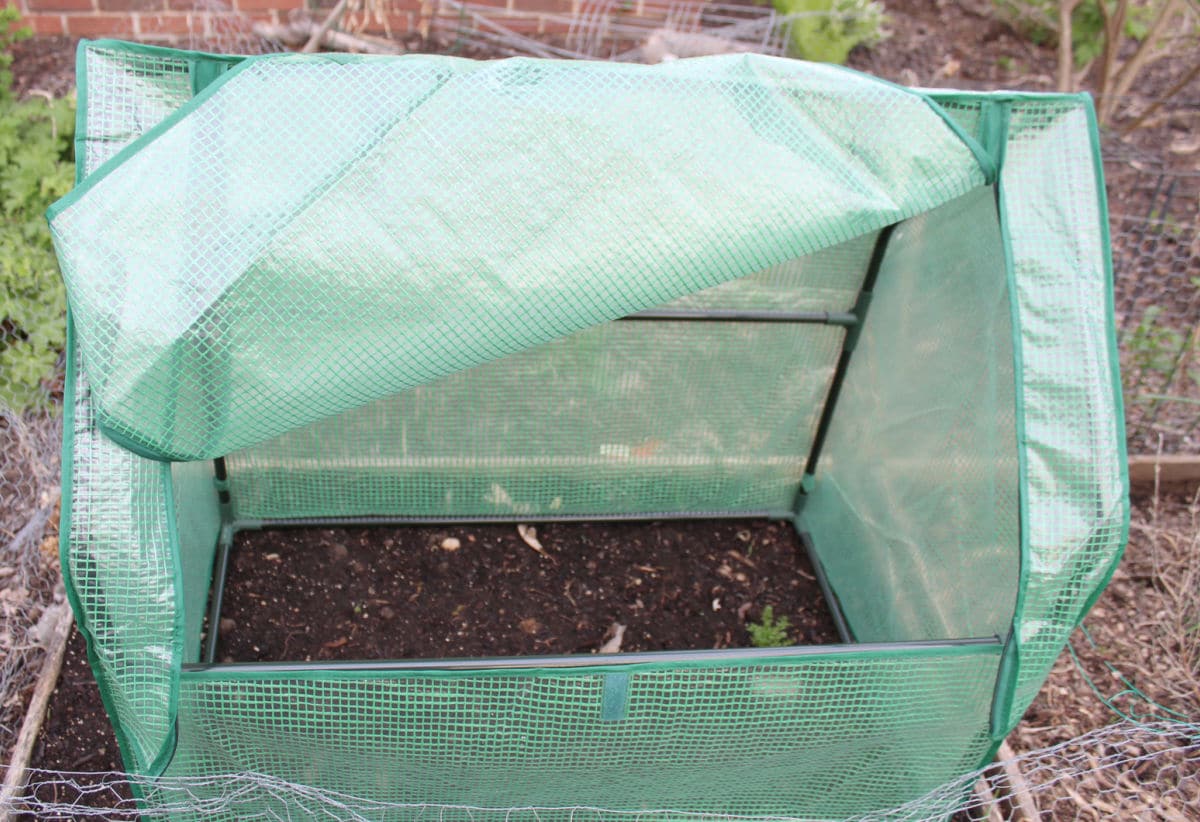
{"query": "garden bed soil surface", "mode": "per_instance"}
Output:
(76, 736)
(485, 591)
(377, 593)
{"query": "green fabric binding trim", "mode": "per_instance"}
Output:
(1006, 677)
(167, 751)
(750, 659)
(150, 136)
(1114, 359)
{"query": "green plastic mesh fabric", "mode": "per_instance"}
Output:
(914, 506)
(991, 342)
(631, 417)
(198, 526)
(1077, 492)
(118, 560)
(118, 551)
(427, 214)
(819, 738)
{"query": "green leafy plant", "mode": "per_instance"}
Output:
(10, 32)
(827, 30)
(36, 168)
(769, 632)
(1154, 346)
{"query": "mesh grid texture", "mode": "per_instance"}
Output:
(914, 505)
(1077, 502)
(119, 561)
(670, 430)
(198, 526)
(431, 214)
(806, 739)
(632, 417)
(119, 553)
(128, 93)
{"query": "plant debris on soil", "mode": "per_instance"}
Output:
(1139, 645)
(491, 591)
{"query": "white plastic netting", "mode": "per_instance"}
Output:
(1124, 770)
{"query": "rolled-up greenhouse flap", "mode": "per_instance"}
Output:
(311, 234)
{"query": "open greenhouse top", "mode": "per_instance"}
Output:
(307, 235)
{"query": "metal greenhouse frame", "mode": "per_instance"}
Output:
(319, 289)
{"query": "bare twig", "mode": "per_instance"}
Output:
(1114, 25)
(987, 801)
(318, 35)
(60, 622)
(1122, 79)
(1066, 51)
(1183, 82)
(297, 32)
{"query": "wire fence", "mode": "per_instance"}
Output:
(1125, 769)
(1155, 227)
(1121, 771)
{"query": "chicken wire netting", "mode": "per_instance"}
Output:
(1128, 768)
(1123, 770)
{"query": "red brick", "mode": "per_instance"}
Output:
(167, 25)
(132, 5)
(100, 25)
(60, 5)
(268, 5)
(396, 23)
(556, 25)
(522, 24)
(552, 6)
(45, 23)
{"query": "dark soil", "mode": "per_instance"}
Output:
(481, 591)
(44, 65)
(76, 736)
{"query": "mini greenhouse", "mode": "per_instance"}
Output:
(322, 289)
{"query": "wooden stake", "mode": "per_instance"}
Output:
(987, 800)
(1021, 797)
(14, 779)
(1164, 469)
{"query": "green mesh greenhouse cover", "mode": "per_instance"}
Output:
(308, 288)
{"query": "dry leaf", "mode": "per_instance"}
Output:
(614, 645)
(528, 534)
(1182, 145)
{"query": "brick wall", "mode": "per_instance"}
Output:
(169, 21)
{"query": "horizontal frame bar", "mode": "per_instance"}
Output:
(585, 660)
(842, 318)
(499, 519)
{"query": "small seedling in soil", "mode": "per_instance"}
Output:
(769, 632)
